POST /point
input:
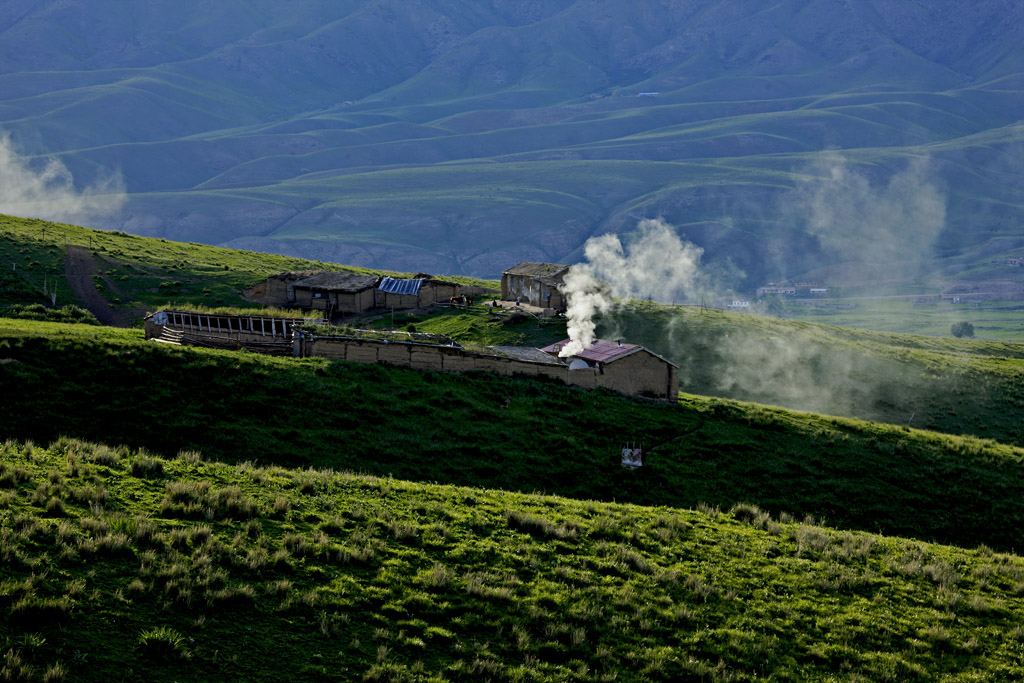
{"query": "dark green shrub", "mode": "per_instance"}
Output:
(962, 329)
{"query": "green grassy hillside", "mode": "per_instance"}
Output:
(942, 384)
(120, 564)
(135, 274)
(958, 387)
(512, 434)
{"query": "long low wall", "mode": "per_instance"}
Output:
(424, 357)
(664, 384)
(641, 374)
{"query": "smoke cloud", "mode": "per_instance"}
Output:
(873, 221)
(653, 264)
(49, 192)
(893, 224)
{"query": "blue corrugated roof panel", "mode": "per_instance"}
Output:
(390, 285)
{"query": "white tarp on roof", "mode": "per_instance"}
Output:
(390, 285)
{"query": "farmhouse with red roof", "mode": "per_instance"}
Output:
(629, 368)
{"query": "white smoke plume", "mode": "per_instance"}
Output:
(49, 192)
(654, 264)
(891, 225)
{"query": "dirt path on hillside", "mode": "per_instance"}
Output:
(79, 269)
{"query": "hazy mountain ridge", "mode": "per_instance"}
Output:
(281, 126)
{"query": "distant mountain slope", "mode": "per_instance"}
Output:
(461, 137)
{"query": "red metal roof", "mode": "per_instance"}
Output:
(601, 351)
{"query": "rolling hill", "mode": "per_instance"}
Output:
(941, 384)
(121, 563)
(170, 512)
(482, 430)
(461, 137)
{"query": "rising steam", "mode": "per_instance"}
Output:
(654, 264)
(49, 192)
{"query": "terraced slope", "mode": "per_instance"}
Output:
(463, 137)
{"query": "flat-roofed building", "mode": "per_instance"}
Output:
(537, 284)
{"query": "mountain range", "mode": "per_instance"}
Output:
(793, 139)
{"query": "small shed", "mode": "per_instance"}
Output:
(435, 290)
(537, 284)
(279, 289)
(629, 368)
(398, 293)
(336, 292)
(418, 292)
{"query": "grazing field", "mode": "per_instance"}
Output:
(994, 320)
(121, 564)
(937, 383)
(519, 434)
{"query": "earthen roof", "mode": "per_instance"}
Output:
(531, 269)
(297, 275)
(339, 282)
(527, 353)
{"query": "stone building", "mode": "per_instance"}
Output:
(627, 368)
(345, 292)
(536, 284)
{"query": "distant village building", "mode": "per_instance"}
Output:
(738, 304)
(347, 292)
(779, 290)
(629, 368)
(793, 289)
(537, 284)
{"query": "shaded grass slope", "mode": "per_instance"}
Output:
(941, 384)
(117, 563)
(511, 434)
